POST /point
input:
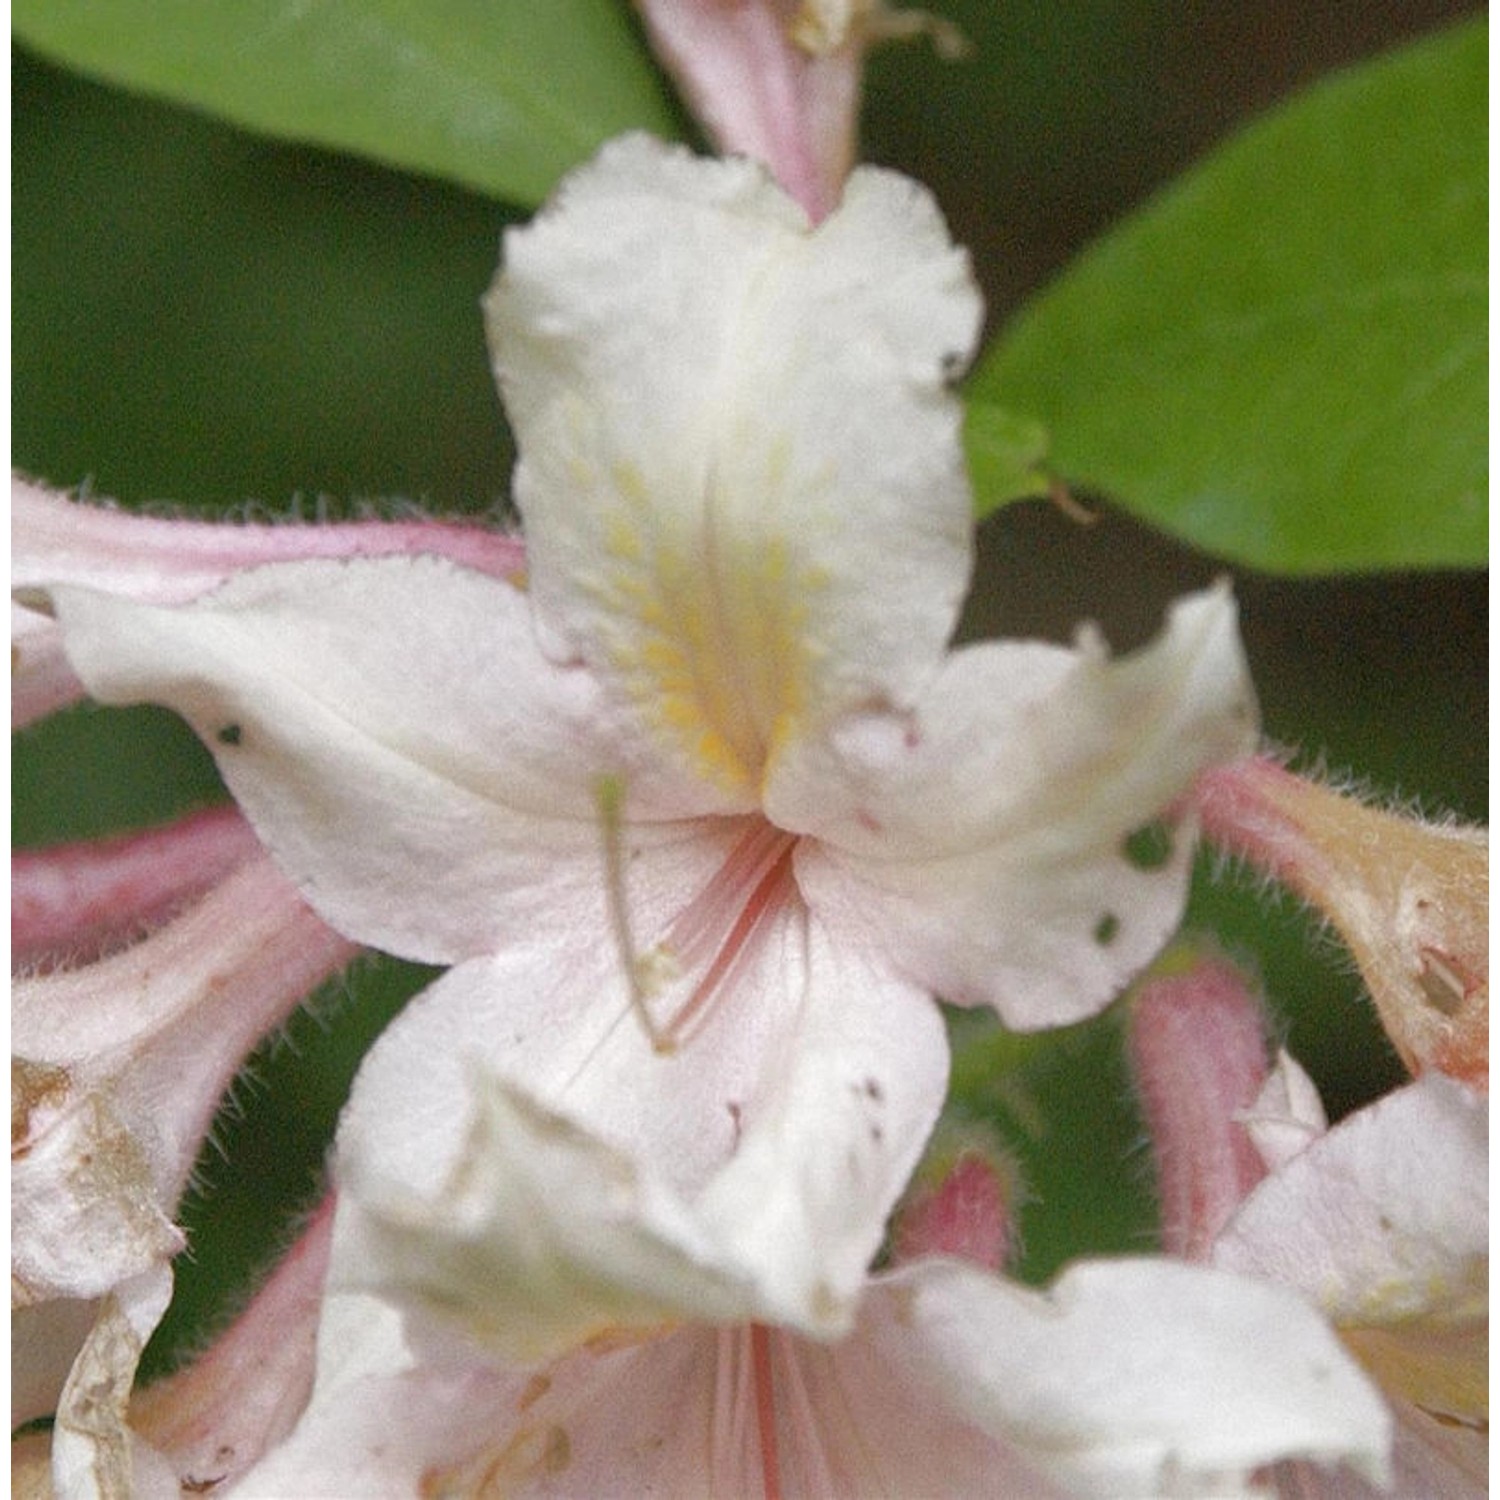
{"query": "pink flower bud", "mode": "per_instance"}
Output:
(1196, 1043)
(958, 1205)
(766, 84)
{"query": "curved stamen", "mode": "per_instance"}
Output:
(714, 930)
(609, 792)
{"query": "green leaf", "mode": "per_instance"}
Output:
(499, 95)
(1005, 454)
(1283, 358)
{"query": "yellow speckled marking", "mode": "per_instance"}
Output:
(711, 637)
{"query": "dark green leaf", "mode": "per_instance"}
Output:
(500, 95)
(1283, 358)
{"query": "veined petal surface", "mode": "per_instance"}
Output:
(1384, 1218)
(983, 841)
(741, 473)
(785, 1122)
(428, 779)
(1136, 1378)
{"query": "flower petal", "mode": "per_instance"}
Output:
(985, 840)
(615, 1421)
(541, 1238)
(93, 1451)
(56, 540)
(740, 470)
(394, 735)
(1287, 1115)
(778, 1133)
(119, 1066)
(1384, 1217)
(1134, 1378)
(71, 903)
(1129, 1380)
(212, 1418)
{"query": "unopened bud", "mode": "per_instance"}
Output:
(959, 1204)
(1196, 1044)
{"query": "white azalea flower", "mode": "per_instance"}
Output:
(1383, 1223)
(705, 814)
(1380, 1222)
(1129, 1378)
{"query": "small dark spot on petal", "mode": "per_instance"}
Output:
(229, 734)
(1149, 847)
(873, 1090)
(1106, 929)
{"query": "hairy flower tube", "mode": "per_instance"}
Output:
(117, 1067)
(705, 813)
(167, 560)
(1380, 1221)
(1409, 897)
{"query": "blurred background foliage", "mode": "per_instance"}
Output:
(206, 320)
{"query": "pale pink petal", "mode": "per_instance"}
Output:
(741, 475)
(73, 901)
(541, 1237)
(1135, 1378)
(983, 841)
(788, 1116)
(117, 1069)
(57, 540)
(1381, 1218)
(1384, 1223)
(670, 1417)
(390, 729)
(846, 1100)
(1130, 1380)
(738, 1411)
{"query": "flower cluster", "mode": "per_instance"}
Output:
(701, 812)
